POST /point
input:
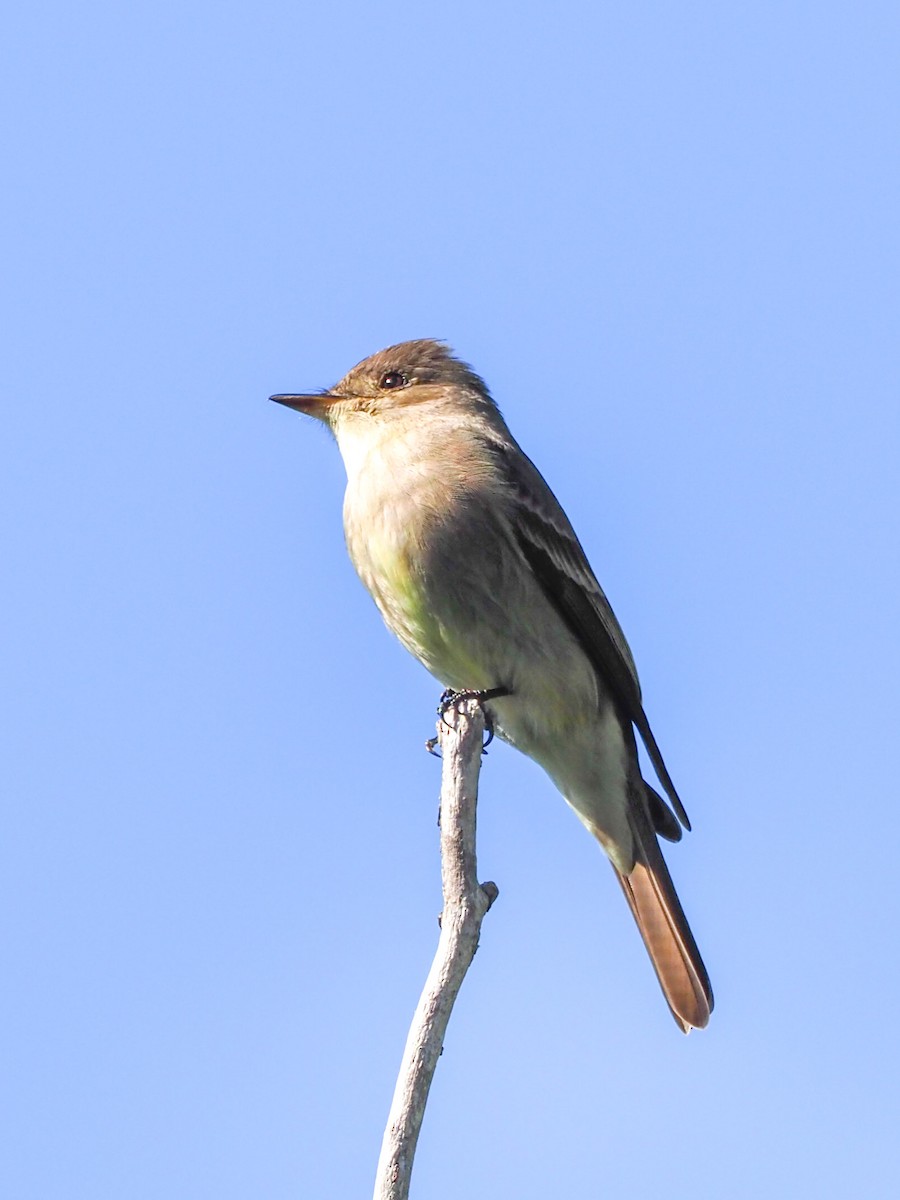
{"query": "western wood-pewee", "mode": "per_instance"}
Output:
(476, 569)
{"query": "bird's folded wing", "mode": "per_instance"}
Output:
(550, 546)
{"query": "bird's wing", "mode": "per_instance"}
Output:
(548, 541)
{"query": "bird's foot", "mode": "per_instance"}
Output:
(431, 746)
(451, 699)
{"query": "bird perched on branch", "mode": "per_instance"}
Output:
(477, 570)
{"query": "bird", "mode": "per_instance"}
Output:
(477, 570)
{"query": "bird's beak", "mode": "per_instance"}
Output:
(315, 405)
(301, 403)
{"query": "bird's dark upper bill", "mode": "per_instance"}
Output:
(303, 403)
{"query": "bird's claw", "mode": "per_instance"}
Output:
(431, 746)
(451, 699)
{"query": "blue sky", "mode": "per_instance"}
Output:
(667, 236)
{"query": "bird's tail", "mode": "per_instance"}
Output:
(657, 910)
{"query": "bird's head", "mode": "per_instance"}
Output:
(423, 372)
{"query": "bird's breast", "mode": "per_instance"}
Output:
(419, 553)
(385, 527)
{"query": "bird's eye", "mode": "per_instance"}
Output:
(393, 379)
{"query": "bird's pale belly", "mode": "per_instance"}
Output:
(474, 623)
(386, 567)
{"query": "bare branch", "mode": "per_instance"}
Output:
(465, 904)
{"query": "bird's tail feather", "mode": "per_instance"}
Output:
(660, 918)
